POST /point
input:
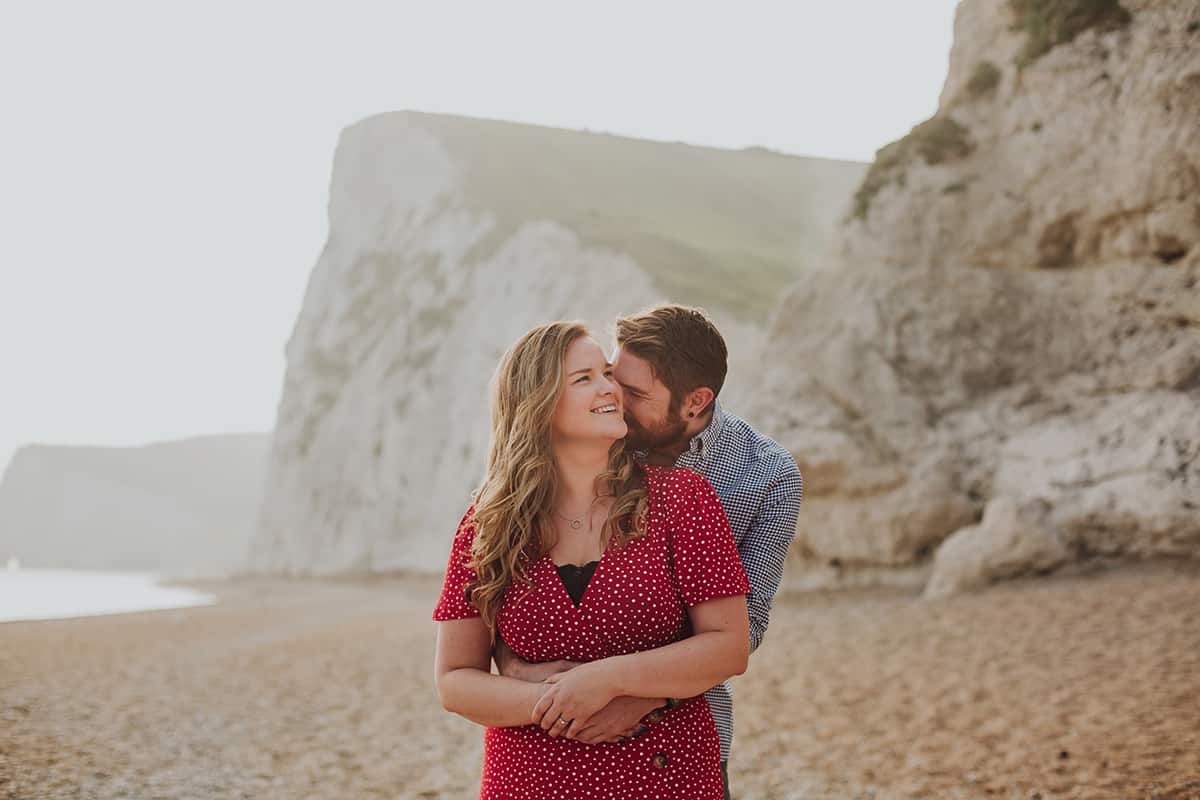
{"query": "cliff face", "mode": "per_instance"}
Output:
(185, 508)
(1078, 155)
(998, 369)
(450, 237)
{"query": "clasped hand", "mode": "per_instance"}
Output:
(574, 696)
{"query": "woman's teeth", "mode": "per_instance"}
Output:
(604, 410)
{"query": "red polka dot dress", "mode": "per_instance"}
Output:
(634, 601)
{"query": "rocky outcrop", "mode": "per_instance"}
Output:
(998, 369)
(449, 237)
(185, 508)
(1012, 539)
(1084, 154)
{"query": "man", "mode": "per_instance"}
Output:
(671, 363)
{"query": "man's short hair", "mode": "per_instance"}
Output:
(681, 344)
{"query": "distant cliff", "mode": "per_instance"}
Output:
(997, 371)
(448, 238)
(185, 507)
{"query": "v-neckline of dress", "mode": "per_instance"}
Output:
(562, 587)
(578, 572)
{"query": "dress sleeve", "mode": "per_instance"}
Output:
(704, 556)
(453, 603)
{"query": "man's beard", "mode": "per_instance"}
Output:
(670, 432)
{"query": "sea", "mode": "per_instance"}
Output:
(31, 594)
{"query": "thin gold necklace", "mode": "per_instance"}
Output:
(576, 522)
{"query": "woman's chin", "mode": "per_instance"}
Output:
(612, 430)
(607, 430)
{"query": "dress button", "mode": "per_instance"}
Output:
(660, 760)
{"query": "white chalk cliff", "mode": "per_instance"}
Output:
(997, 371)
(448, 238)
(182, 508)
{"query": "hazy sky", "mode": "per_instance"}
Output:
(164, 166)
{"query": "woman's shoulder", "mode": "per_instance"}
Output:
(466, 526)
(667, 484)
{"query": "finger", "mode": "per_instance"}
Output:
(541, 707)
(545, 718)
(554, 678)
(581, 725)
(558, 726)
(571, 730)
(550, 722)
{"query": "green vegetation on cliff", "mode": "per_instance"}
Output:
(724, 228)
(1048, 23)
(936, 140)
(985, 77)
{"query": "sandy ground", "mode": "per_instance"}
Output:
(1071, 687)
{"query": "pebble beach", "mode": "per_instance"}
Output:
(1079, 686)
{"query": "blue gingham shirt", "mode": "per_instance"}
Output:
(760, 488)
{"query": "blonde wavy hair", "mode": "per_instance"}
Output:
(514, 504)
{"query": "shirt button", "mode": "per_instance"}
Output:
(660, 760)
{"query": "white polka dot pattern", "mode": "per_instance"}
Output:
(633, 603)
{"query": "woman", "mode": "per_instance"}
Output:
(663, 613)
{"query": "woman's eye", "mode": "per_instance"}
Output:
(581, 380)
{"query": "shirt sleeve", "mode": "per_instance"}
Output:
(704, 557)
(765, 545)
(453, 603)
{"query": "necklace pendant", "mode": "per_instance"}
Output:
(576, 523)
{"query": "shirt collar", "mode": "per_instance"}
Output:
(706, 439)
